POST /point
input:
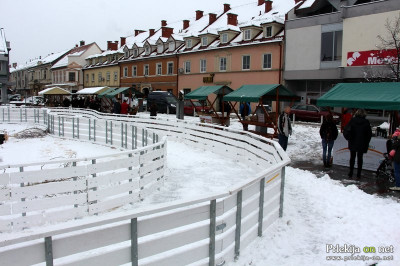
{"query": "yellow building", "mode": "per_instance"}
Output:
(102, 70)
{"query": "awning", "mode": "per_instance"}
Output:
(203, 92)
(93, 90)
(380, 96)
(105, 92)
(253, 93)
(112, 93)
(54, 91)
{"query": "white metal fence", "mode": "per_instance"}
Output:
(205, 231)
(56, 191)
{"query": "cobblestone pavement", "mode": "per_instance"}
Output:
(367, 182)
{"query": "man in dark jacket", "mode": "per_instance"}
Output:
(284, 128)
(358, 142)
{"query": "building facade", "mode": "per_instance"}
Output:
(67, 73)
(4, 65)
(328, 42)
(103, 69)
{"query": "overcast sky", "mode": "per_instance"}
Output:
(40, 27)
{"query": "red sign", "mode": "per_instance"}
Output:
(372, 58)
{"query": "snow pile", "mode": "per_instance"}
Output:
(321, 211)
(305, 143)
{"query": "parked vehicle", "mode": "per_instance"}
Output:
(189, 109)
(308, 112)
(14, 97)
(30, 101)
(165, 101)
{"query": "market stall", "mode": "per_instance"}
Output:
(214, 97)
(54, 95)
(262, 118)
(377, 96)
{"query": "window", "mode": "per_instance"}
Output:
(93, 77)
(100, 77)
(146, 70)
(87, 78)
(204, 41)
(159, 69)
(268, 31)
(71, 76)
(222, 64)
(134, 71)
(147, 50)
(125, 71)
(45, 74)
(108, 76)
(170, 68)
(126, 53)
(267, 61)
(171, 46)
(186, 91)
(331, 46)
(186, 66)
(245, 62)
(135, 53)
(224, 38)
(203, 65)
(160, 48)
(247, 35)
(189, 43)
(115, 76)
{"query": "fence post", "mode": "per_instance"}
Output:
(213, 220)
(48, 244)
(134, 242)
(261, 207)
(282, 191)
(238, 223)
(134, 137)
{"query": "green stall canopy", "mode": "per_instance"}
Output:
(105, 92)
(379, 96)
(203, 92)
(115, 92)
(253, 93)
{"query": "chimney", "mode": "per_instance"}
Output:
(76, 46)
(112, 46)
(186, 24)
(123, 41)
(151, 32)
(297, 1)
(82, 43)
(137, 32)
(268, 6)
(261, 2)
(14, 65)
(232, 19)
(163, 23)
(212, 18)
(227, 7)
(166, 32)
(199, 14)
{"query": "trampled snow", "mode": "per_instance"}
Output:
(317, 211)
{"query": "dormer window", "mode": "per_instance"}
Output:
(189, 43)
(127, 53)
(147, 50)
(160, 48)
(204, 41)
(171, 46)
(224, 38)
(268, 31)
(247, 34)
(135, 53)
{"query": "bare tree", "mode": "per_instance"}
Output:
(391, 42)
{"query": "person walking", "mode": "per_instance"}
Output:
(358, 134)
(284, 128)
(328, 133)
(245, 110)
(395, 155)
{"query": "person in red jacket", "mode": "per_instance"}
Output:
(124, 108)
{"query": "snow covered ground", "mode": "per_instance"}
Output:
(319, 213)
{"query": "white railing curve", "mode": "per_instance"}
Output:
(209, 230)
